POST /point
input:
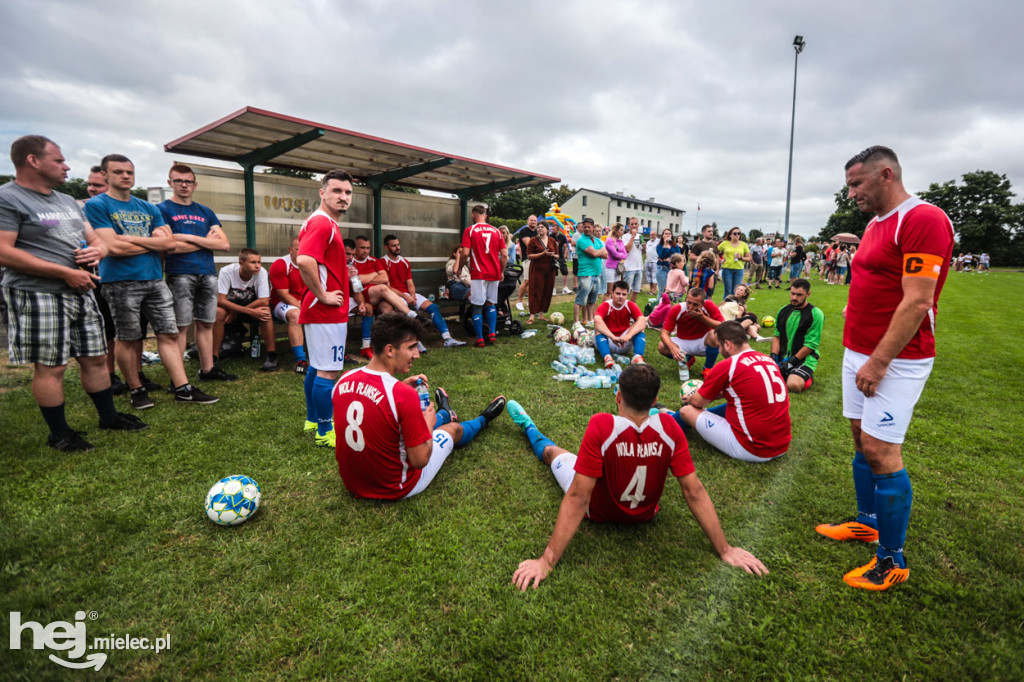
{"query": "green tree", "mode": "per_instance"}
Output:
(76, 187)
(519, 203)
(755, 234)
(289, 172)
(846, 218)
(982, 212)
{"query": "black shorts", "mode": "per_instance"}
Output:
(565, 268)
(575, 266)
(804, 372)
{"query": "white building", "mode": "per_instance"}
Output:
(608, 208)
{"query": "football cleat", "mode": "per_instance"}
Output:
(518, 415)
(705, 373)
(366, 352)
(492, 338)
(850, 529)
(876, 575)
(308, 426)
(480, 343)
(451, 342)
(492, 411)
(441, 396)
(124, 422)
(328, 440)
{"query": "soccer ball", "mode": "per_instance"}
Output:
(768, 322)
(689, 388)
(585, 339)
(232, 500)
(557, 318)
(562, 335)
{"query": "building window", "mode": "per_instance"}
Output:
(584, 199)
(618, 203)
(618, 219)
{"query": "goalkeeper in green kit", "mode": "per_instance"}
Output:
(797, 335)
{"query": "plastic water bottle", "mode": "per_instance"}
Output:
(255, 345)
(442, 291)
(593, 382)
(82, 244)
(424, 393)
(684, 372)
(561, 367)
(566, 377)
(430, 298)
(356, 284)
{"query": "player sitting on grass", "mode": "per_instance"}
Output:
(388, 448)
(620, 474)
(756, 410)
(797, 335)
(620, 326)
(694, 322)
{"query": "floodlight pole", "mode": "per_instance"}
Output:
(798, 47)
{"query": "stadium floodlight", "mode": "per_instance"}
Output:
(798, 47)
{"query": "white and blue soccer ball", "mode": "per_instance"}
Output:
(558, 318)
(233, 500)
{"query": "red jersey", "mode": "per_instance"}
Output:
(618, 320)
(376, 417)
(687, 327)
(913, 240)
(320, 239)
(485, 244)
(285, 275)
(370, 266)
(757, 401)
(399, 273)
(631, 463)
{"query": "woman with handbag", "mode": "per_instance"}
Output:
(542, 252)
(615, 266)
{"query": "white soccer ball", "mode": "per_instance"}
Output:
(557, 318)
(562, 335)
(233, 500)
(689, 388)
(585, 339)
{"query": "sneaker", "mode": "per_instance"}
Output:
(328, 440)
(589, 325)
(608, 362)
(762, 339)
(637, 360)
(308, 426)
(140, 398)
(301, 366)
(876, 575)
(850, 529)
(72, 442)
(480, 343)
(148, 383)
(269, 365)
(125, 422)
(492, 411)
(117, 387)
(217, 374)
(705, 373)
(518, 415)
(566, 290)
(366, 352)
(452, 342)
(492, 338)
(194, 395)
(441, 396)
(520, 307)
(423, 349)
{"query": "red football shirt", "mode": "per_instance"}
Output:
(320, 239)
(399, 273)
(914, 240)
(757, 401)
(285, 275)
(618, 320)
(687, 327)
(369, 266)
(485, 244)
(631, 464)
(376, 417)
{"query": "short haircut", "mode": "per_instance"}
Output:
(26, 146)
(639, 385)
(705, 227)
(95, 169)
(349, 244)
(336, 174)
(244, 253)
(697, 292)
(390, 238)
(480, 209)
(362, 238)
(393, 329)
(875, 153)
(621, 284)
(181, 168)
(800, 283)
(587, 220)
(115, 158)
(733, 332)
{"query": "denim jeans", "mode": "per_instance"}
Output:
(730, 280)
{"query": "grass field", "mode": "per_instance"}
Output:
(319, 585)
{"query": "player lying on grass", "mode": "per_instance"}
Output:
(620, 474)
(753, 424)
(388, 447)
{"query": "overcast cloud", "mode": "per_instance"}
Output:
(686, 102)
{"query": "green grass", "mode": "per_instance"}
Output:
(319, 585)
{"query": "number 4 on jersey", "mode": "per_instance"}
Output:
(634, 492)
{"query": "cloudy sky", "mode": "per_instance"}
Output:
(684, 101)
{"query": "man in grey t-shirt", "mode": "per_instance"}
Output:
(49, 253)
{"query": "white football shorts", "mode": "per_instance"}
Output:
(886, 415)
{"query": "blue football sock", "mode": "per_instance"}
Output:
(435, 315)
(718, 409)
(492, 318)
(893, 497)
(365, 326)
(441, 418)
(864, 487)
(308, 388)
(299, 352)
(478, 321)
(639, 344)
(324, 408)
(538, 441)
(470, 429)
(601, 343)
(710, 357)
(679, 420)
